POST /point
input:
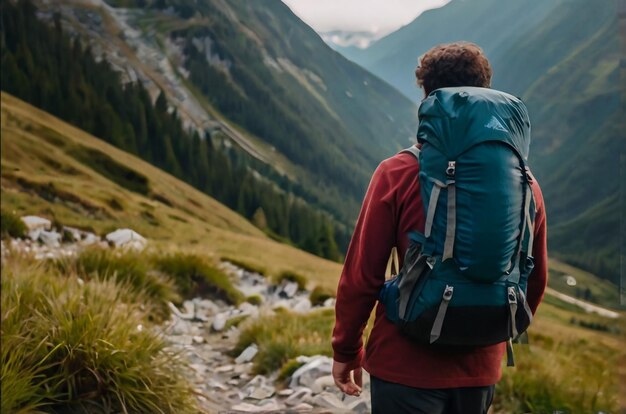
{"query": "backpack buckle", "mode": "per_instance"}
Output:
(451, 169)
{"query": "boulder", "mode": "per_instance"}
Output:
(50, 238)
(219, 322)
(36, 223)
(328, 400)
(361, 405)
(302, 306)
(287, 289)
(127, 239)
(321, 383)
(301, 394)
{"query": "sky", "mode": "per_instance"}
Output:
(378, 16)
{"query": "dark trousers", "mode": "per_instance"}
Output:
(391, 398)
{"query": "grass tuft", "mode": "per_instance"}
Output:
(195, 276)
(11, 225)
(74, 346)
(292, 277)
(285, 336)
(319, 295)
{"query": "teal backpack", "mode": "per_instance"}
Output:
(463, 280)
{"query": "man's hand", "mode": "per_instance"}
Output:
(348, 381)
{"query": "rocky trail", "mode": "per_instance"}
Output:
(227, 384)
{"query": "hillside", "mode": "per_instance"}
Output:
(394, 57)
(52, 169)
(562, 58)
(318, 123)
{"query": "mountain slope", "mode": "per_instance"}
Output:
(254, 75)
(495, 25)
(50, 168)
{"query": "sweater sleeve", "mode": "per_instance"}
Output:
(538, 279)
(363, 272)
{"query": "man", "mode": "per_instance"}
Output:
(406, 376)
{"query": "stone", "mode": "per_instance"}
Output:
(249, 309)
(247, 355)
(300, 394)
(329, 303)
(302, 407)
(197, 339)
(313, 368)
(247, 408)
(186, 316)
(127, 239)
(361, 405)
(302, 306)
(328, 400)
(224, 368)
(219, 322)
(288, 289)
(262, 393)
(180, 327)
(285, 393)
(50, 238)
(321, 383)
(36, 223)
(270, 405)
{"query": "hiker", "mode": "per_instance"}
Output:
(436, 345)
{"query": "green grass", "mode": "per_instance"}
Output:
(196, 276)
(11, 225)
(284, 336)
(320, 294)
(74, 346)
(572, 376)
(129, 268)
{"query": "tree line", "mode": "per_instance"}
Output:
(43, 66)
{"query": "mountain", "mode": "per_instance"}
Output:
(254, 74)
(495, 25)
(562, 58)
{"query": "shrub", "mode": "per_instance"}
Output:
(255, 300)
(319, 295)
(75, 346)
(11, 225)
(129, 268)
(235, 321)
(286, 335)
(288, 369)
(245, 265)
(195, 276)
(292, 277)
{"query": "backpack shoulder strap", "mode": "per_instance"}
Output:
(413, 150)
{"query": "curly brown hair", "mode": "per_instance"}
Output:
(453, 64)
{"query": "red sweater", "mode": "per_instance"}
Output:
(392, 207)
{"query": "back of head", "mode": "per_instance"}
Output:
(453, 64)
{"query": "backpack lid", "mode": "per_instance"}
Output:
(455, 119)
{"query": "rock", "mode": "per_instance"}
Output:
(36, 223)
(301, 394)
(127, 239)
(314, 368)
(89, 239)
(321, 383)
(247, 408)
(302, 306)
(329, 303)
(303, 407)
(180, 327)
(328, 400)
(262, 393)
(50, 238)
(217, 385)
(270, 405)
(361, 405)
(285, 393)
(219, 322)
(247, 354)
(205, 307)
(224, 368)
(249, 309)
(197, 339)
(287, 289)
(186, 316)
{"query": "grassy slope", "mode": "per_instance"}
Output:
(35, 147)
